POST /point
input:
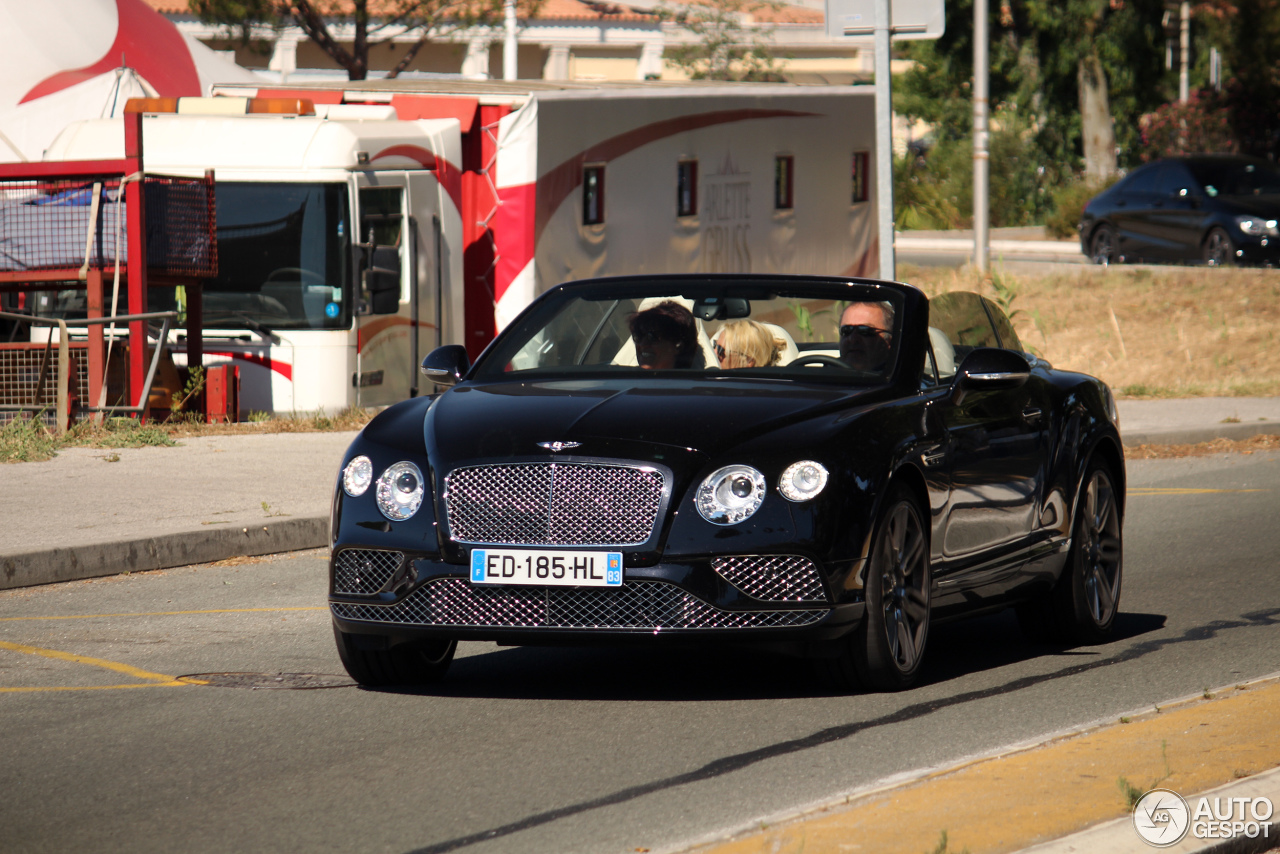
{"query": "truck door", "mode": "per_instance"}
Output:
(384, 267)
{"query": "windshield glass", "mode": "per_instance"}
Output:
(283, 257)
(1237, 177)
(823, 332)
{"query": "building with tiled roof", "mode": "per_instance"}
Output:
(565, 40)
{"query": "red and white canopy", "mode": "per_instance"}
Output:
(82, 59)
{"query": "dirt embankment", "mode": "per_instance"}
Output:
(1149, 332)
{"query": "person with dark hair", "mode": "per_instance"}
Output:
(866, 333)
(666, 336)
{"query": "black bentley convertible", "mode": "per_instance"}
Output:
(821, 466)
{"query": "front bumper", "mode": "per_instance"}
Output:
(404, 597)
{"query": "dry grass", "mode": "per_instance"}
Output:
(1251, 445)
(1168, 332)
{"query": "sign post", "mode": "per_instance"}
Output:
(885, 20)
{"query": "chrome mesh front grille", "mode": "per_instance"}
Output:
(637, 605)
(553, 504)
(364, 570)
(772, 578)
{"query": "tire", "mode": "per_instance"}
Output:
(1102, 246)
(1217, 249)
(885, 651)
(407, 664)
(1082, 607)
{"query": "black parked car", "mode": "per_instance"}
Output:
(895, 461)
(1216, 208)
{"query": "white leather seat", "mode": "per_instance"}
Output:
(943, 352)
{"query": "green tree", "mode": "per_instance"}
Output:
(1040, 51)
(725, 45)
(430, 18)
(1247, 33)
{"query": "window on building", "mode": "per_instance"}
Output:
(687, 188)
(861, 176)
(592, 195)
(784, 167)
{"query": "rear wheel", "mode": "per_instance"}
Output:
(407, 664)
(1218, 250)
(1082, 607)
(885, 652)
(1102, 248)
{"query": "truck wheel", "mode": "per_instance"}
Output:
(407, 664)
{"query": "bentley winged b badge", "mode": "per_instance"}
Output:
(557, 447)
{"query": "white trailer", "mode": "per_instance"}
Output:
(465, 200)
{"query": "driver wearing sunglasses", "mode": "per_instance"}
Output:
(865, 335)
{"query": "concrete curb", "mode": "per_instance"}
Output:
(1193, 435)
(1010, 247)
(50, 566)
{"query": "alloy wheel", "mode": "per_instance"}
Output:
(1100, 548)
(904, 585)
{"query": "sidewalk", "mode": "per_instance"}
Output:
(1001, 242)
(91, 512)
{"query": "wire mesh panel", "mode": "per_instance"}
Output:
(180, 216)
(56, 224)
(29, 379)
(47, 224)
(772, 578)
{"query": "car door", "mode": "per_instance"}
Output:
(1136, 207)
(995, 449)
(1177, 217)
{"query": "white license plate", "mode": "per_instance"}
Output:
(545, 567)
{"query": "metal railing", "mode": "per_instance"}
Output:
(62, 404)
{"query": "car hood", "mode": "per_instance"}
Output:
(652, 419)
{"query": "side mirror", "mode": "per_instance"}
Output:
(989, 369)
(382, 281)
(446, 365)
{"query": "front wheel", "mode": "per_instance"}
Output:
(1218, 250)
(885, 652)
(1102, 249)
(407, 664)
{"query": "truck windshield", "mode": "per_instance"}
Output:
(283, 257)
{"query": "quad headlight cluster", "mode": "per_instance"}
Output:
(398, 492)
(732, 494)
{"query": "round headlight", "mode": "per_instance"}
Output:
(400, 491)
(803, 480)
(357, 476)
(730, 495)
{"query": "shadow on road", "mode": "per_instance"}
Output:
(701, 673)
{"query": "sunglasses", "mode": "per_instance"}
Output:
(722, 353)
(861, 330)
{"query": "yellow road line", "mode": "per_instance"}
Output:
(163, 614)
(174, 684)
(158, 679)
(1179, 490)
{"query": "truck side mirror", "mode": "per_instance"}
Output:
(446, 365)
(382, 281)
(989, 369)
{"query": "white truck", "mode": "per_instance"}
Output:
(401, 216)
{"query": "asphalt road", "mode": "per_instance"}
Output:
(549, 750)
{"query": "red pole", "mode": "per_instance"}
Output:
(137, 233)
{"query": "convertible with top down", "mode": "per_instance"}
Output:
(573, 485)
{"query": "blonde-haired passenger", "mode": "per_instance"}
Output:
(746, 344)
